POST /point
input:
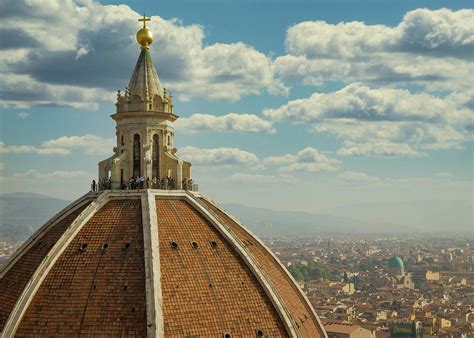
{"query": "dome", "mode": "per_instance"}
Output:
(395, 262)
(151, 263)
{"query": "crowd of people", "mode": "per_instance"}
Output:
(142, 182)
(102, 184)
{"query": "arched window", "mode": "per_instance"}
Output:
(122, 142)
(169, 140)
(155, 157)
(136, 155)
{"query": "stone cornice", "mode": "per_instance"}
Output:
(154, 114)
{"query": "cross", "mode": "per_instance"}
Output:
(144, 20)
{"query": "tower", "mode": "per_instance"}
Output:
(144, 126)
(149, 262)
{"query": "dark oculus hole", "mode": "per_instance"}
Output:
(195, 245)
(174, 245)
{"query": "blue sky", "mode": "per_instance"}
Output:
(308, 105)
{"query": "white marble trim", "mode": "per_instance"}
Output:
(48, 262)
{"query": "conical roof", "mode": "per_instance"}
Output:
(150, 263)
(145, 77)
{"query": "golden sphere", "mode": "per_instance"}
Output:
(144, 37)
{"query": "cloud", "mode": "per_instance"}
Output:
(218, 156)
(441, 32)
(433, 48)
(358, 101)
(23, 115)
(27, 149)
(308, 159)
(357, 177)
(96, 51)
(90, 144)
(244, 123)
(259, 179)
(22, 91)
(55, 175)
(384, 121)
(378, 149)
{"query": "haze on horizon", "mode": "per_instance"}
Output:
(362, 111)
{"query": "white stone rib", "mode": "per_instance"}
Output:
(271, 253)
(40, 274)
(33, 239)
(249, 260)
(154, 297)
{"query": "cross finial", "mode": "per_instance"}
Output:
(144, 20)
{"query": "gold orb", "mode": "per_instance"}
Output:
(144, 37)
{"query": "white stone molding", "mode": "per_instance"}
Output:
(154, 296)
(48, 262)
(33, 239)
(250, 261)
(288, 274)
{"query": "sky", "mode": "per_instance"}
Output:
(356, 108)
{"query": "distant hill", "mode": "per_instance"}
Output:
(22, 213)
(426, 215)
(278, 222)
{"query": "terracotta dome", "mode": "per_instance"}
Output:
(150, 263)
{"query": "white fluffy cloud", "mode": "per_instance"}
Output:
(90, 144)
(433, 48)
(28, 149)
(244, 123)
(357, 101)
(95, 52)
(218, 156)
(23, 91)
(443, 31)
(378, 149)
(384, 121)
(308, 159)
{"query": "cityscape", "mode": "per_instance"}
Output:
(392, 285)
(386, 284)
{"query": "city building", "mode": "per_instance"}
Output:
(396, 266)
(144, 255)
(348, 331)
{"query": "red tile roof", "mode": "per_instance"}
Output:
(299, 308)
(97, 284)
(16, 278)
(95, 291)
(207, 291)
